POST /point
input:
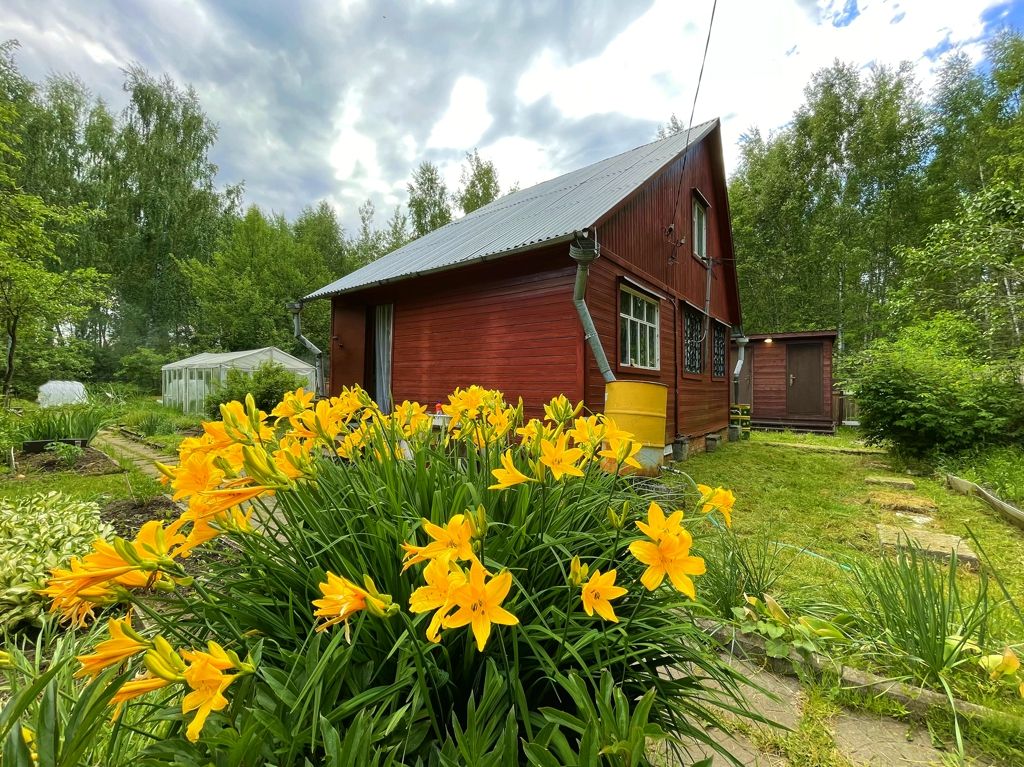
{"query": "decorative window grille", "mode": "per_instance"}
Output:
(694, 340)
(639, 336)
(719, 350)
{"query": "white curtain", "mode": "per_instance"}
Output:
(383, 324)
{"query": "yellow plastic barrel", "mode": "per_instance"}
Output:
(639, 407)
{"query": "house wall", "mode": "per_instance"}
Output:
(769, 374)
(509, 325)
(635, 248)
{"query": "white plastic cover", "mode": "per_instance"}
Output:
(55, 393)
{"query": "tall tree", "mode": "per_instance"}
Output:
(319, 229)
(34, 300)
(163, 207)
(428, 200)
(479, 183)
(240, 293)
(674, 126)
(821, 209)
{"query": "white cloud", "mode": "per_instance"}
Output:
(466, 119)
(760, 59)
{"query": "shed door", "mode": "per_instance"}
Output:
(803, 389)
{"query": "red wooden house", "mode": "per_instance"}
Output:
(488, 299)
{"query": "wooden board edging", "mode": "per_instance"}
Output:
(966, 487)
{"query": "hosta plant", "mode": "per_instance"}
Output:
(37, 534)
(406, 595)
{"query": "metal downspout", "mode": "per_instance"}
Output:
(295, 308)
(741, 345)
(584, 251)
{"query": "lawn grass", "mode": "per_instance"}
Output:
(845, 436)
(816, 504)
(104, 488)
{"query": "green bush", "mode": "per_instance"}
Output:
(141, 368)
(267, 384)
(927, 393)
(38, 533)
(68, 422)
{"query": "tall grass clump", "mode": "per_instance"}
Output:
(493, 592)
(67, 422)
(917, 614)
(738, 567)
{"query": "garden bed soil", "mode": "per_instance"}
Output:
(128, 515)
(91, 462)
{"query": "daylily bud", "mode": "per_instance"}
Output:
(578, 572)
(478, 521)
(5, 660)
(618, 519)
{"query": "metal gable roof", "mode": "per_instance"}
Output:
(546, 212)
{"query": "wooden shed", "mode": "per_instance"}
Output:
(489, 298)
(787, 380)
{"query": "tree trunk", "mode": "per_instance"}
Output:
(12, 342)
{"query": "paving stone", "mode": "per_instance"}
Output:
(937, 545)
(870, 740)
(899, 502)
(781, 700)
(917, 519)
(901, 482)
(745, 752)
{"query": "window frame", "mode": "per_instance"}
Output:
(700, 203)
(689, 309)
(630, 290)
(718, 325)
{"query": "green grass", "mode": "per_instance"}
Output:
(999, 469)
(816, 505)
(103, 489)
(845, 436)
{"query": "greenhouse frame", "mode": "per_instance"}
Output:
(187, 383)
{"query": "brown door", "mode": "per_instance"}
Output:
(803, 382)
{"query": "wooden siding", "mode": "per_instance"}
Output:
(509, 325)
(634, 247)
(769, 380)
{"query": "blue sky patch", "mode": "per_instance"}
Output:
(844, 17)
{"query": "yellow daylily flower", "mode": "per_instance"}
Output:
(343, 599)
(718, 499)
(658, 525)
(622, 451)
(559, 459)
(293, 403)
(205, 675)
(454, 541)
(669, 556)
(124, 643)
(196, 475)
(441, 578)
(509, 475)
(999, 666)
(598, 593)
(479, 603)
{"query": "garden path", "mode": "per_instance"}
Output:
(142, 456)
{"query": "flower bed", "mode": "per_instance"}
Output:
(392, 594)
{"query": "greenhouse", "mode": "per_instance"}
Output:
(187, 383)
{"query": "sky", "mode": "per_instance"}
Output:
(341, 100)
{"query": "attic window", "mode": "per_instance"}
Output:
(700, 227)
(639, 337)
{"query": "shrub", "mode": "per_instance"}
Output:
(36, 534)
(926, 394)
(69, 422)
(267, 384)
(413, 597)
(141, 369)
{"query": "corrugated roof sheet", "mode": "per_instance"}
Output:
(250, 358)
(546, 212)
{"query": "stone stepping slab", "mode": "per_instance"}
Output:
(931, 544)
(912, 504)
(899, 482)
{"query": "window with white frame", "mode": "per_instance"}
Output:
(639, 336)
(700, 228)
(693, 343)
